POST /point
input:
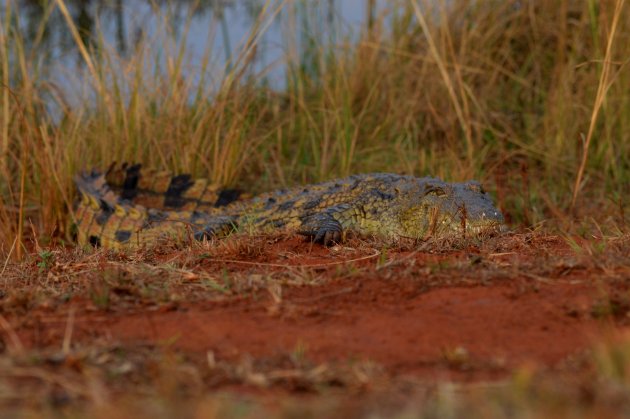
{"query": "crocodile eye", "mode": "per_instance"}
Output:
(435, 190)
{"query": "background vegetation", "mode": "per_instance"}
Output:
(529, 96)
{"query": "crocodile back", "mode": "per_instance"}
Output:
(165, 190)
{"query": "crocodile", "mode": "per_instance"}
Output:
(130, 207)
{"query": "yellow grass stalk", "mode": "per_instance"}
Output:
(605, 82)
(4, 61)
(82, 49)
(448, 82)
(20, 230)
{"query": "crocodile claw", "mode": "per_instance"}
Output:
(322, 228)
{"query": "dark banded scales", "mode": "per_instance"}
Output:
(132, 207)
(162, 189)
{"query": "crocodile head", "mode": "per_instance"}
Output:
(451, 210)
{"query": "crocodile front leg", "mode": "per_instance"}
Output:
(217, 226)
(328, 227)
(322, 228)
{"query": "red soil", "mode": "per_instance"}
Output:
(468, 322)
(398, 327)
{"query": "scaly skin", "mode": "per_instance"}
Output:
(380, 204)
(161, 189)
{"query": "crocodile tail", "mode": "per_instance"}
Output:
(94, 185)
(164, 190)
(101, 217)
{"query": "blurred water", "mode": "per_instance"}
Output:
(224, 25)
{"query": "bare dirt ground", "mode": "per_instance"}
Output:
(269, 316)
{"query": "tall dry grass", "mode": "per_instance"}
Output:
(528, 96)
